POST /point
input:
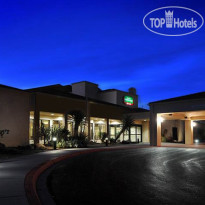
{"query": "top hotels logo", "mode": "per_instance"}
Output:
(173, 21)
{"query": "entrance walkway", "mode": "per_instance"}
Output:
(196, 145)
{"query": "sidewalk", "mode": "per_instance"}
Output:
(179, 145)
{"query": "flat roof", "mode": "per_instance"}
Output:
(84, 82)
(9, 87)
(193, 96)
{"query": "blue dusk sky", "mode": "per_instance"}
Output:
(45, 42)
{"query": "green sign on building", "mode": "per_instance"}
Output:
(128, 100)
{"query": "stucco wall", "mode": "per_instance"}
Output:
(110, 97)
(51, 103)
(14, 116)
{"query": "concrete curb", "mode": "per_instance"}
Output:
(32, 176)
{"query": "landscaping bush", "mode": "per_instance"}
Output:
(10, 150)
(26, 147)
(112, 141)
(64, 144)
(40, 146)
(78, 141)
(104, 136)
(164, 139)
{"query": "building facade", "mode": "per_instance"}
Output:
(24, 112)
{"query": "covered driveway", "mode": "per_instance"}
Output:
(178, 120)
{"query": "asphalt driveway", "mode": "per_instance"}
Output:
(133, 176)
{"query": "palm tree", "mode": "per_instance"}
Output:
(127, 123)
(45, 132)
(78, 117)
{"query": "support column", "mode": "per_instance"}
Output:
(159, 133)
(153, 128)
(188, 132)
(36, 126)
(108, 128)
(88, 116)
(66, 121)
(129, 133)
(93, 129)
(88, 120)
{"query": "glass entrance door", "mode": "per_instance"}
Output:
(139, 133)
(136, 133)
(114, 130)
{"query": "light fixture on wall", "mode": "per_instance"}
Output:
(54, 142)
(194, 124)
(160, 119)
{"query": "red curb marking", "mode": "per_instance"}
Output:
(32, 176)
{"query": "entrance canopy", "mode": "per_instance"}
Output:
(173, 120)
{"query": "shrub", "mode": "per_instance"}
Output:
(64, 144)
(104, 136)
(60, 133)
(164, 139)
(10, 150)
(112, 141)
(78, 141)
(40, 146)
(26, 147)
(2, 146)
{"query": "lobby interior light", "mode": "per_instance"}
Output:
(100, 122)
(114, 123)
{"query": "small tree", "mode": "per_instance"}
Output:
(127, 123)
(78, 117)
(2, 133)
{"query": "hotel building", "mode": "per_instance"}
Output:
(23, 112)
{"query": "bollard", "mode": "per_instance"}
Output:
(54, 142)
(106, 142)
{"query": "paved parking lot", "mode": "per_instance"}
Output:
(135, 176)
